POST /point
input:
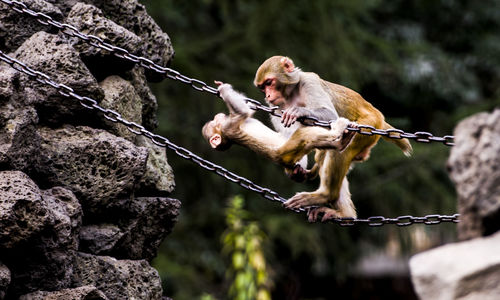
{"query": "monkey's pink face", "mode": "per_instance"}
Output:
(273, 95)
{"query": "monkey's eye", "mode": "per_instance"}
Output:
(262, 86)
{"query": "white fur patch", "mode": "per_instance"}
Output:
(339, 126)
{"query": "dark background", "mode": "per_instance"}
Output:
(425, 64)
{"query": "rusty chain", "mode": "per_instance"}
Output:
(138, 129)
(421, 136)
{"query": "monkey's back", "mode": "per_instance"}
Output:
(351, 105)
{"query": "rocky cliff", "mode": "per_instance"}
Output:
(469, 269)
(84, 202)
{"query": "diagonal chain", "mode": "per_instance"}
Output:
(138, 129)
(421, 136)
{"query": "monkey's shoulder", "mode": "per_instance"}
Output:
(312, 80)
(309, 78)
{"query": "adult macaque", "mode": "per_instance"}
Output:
(305, 94)
(240, 128)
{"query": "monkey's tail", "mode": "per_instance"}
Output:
(404, 144)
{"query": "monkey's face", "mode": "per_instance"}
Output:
(271, 88)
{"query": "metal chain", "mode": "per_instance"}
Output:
(138, 129)
(421, 136)
(399, 221)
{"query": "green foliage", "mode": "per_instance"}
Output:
(425, 64)
(243, 244)
(207, 297)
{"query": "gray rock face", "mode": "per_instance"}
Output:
(120, 96)
(474, 167)
(20, 140)
(87, 292)
(133, 16)
(40, 229)
(8, 79)
(149, 105)
(4, 279)
(159, 175)
(466, 270)
(50, 268)
(117, 279)
(143, 223)
(93, 163)
(63, 165)
(49, 54)
(90, 20)
(22, 210)
(469, 269)
(153, 218)
(99, 239)
(11, 34)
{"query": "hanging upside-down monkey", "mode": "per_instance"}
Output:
(240, 128)
(305, 94)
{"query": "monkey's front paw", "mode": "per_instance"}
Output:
(224, 88)
(298, 201)
(347, 137)
(289, 116)
(304, 199)
(338, 127)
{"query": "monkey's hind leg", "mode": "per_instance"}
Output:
(342, 208)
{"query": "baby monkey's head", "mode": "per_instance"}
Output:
(212, 132)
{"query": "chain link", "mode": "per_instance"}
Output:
(138, 129)
(421, 137)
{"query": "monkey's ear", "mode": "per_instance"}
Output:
(287, 64)
(215, 140)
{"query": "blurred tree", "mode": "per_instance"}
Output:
(425, 64)
(243, 244)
